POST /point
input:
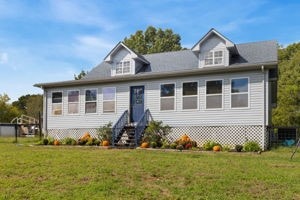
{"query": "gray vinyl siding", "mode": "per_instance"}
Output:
(254, 115)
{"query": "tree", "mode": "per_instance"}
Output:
(21, 103)
(153, 41)
(80, 75)
(7, 111)
(287, 112)
(34, 106)
(30, 105)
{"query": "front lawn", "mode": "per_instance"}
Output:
(79, 172)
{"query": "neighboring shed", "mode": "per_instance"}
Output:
(8, 130)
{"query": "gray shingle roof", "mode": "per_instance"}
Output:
(256, 52)
(249, 53)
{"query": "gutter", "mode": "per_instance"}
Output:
(158, 75)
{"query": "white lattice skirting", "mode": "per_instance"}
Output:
(74, 133)
(225, 135)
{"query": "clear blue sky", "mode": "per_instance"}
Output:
(51, 40)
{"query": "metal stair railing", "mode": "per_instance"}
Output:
(119, 126)
(141, 125)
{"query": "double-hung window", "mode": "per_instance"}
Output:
(57, 103)
(91, 101)
(109, 99)
(214, 58)
(190, 95)
(73, 102)
(123, 67)
(167, 96)
(239, 93)
(214, 94)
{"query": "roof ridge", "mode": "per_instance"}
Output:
(245, 43)
(167, 52)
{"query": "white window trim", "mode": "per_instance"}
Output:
(73, 102)
(198, 84)
(213, 58)
(109, 100)
(237, 108)
(222, 94)
(167, 97)
(62, 103)
(122, 61)
(91, 101)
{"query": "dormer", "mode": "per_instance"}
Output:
(124, 61)
(213, 49)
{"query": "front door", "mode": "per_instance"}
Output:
(136, 103)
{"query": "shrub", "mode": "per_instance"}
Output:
(226, 148)
(81, 142)
(105, 132)
(179, 147)
(165, 144)
(68, 141)
(96, 142)
(209, 145)
(153, 144)
(252, 146)
(45, 141)
(89, 142)
(50, 140)
(173, 145)
(156, 132)
(238, 147)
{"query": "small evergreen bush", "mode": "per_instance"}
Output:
(45, 141)
(238, 148)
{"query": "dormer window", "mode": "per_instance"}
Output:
(123, 67)
(214, 58)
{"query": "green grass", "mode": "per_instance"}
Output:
(64, 172)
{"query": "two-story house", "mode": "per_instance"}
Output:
(217, 90)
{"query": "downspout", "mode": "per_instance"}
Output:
(264, 105)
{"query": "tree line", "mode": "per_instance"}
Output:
(30, 104)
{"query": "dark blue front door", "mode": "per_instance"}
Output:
(136, 103)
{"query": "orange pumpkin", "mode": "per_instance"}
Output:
(145, 145)
(56, 142)
(105, 143)
(217, 148)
